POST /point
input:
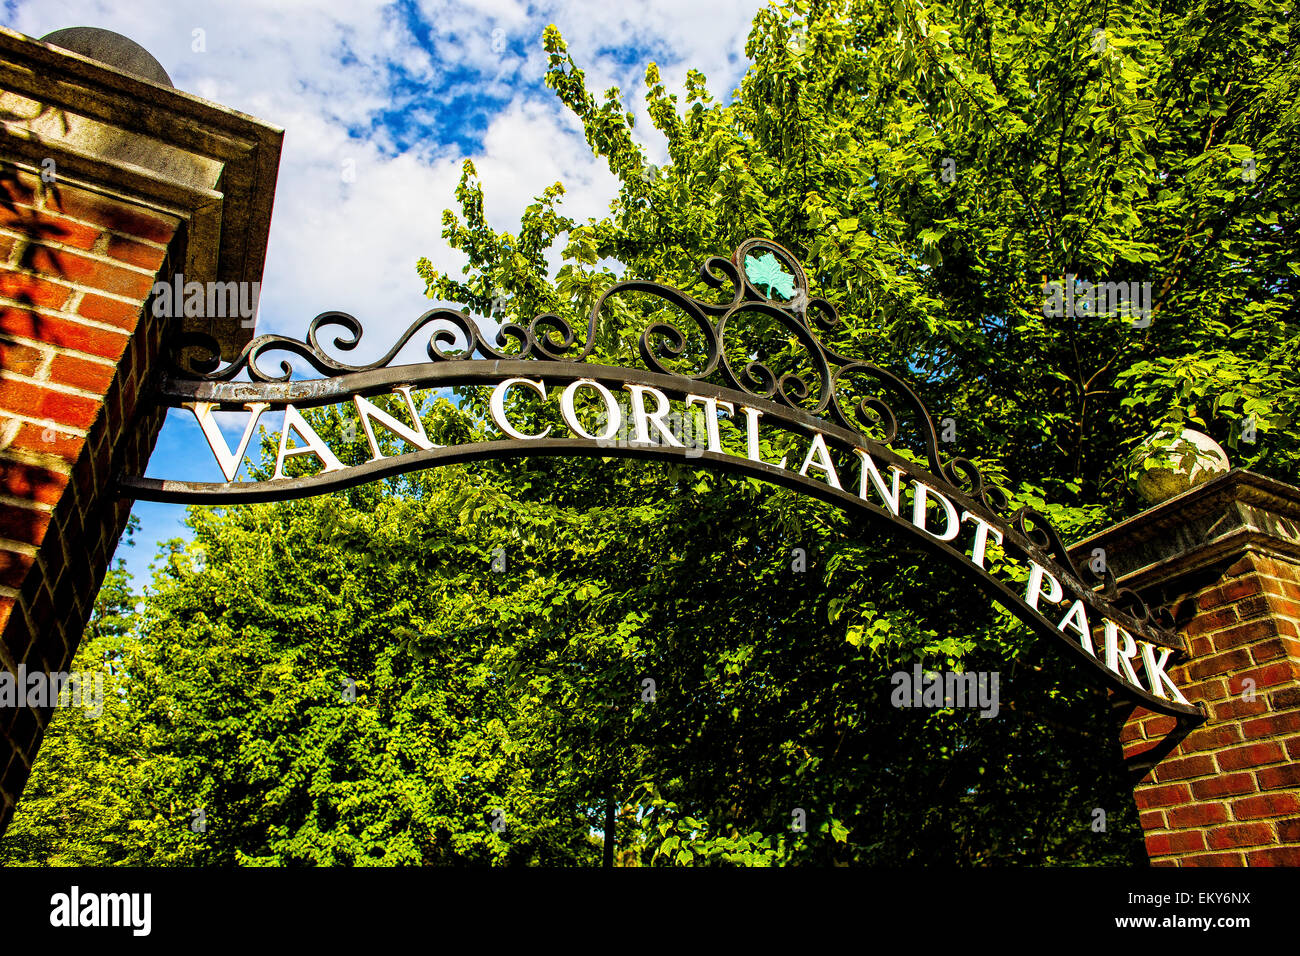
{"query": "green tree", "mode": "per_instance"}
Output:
(932, 166)
(929, 165)
(78, 808)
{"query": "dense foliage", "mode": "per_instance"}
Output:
(451, 667)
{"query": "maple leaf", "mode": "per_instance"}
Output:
(766, 271)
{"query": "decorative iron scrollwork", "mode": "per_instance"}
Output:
(765, 280)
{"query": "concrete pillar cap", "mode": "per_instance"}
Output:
(112, 49)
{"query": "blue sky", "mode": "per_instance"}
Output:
(401, 93)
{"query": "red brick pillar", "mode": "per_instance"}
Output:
(1225, 558)
(77, 348)
(99, 199)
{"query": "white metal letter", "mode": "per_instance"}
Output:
(982, 529)
(642, 419)
(1115, 658)
(1035, 589)
(497, 404)
(1156, 675)
(613, 415)
(819, 449)
(869, 470)
(919, 515)
(217, 442)
(711, 406)
(293, 420)
(415, 436)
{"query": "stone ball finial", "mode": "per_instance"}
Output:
(111, 49)
(1181, 464)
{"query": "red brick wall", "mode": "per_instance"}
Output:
(76, 348)
(1229, 794)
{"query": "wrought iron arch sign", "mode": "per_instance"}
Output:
(898, 479)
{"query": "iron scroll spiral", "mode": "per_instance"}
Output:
(786, 302)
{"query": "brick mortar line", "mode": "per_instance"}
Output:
(1283, 569)
(80, 292)
(47, 582)
(1271, 579)
(1271, 738)
(63, 562)
(64, 247)
(142, 210)
(66, 431)
(52, 349)
(18, 547)
(1229, 823)
(57, 629)
(26, 503)
(37, 459)
(1271, 818)
(7, 663)
(74, 285)
(1200, 776)
(1279, 737)
(1278, 595)
(7, 302)
(52, 386)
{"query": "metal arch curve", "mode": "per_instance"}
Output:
(549, 347)
(254, 492)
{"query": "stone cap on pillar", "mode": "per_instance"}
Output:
(107, 115)
(1199, 529)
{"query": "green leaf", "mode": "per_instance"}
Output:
(766, 271)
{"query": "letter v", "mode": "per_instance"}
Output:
(217, 442)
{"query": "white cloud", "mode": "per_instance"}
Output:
(322, 70)
(325, 70)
